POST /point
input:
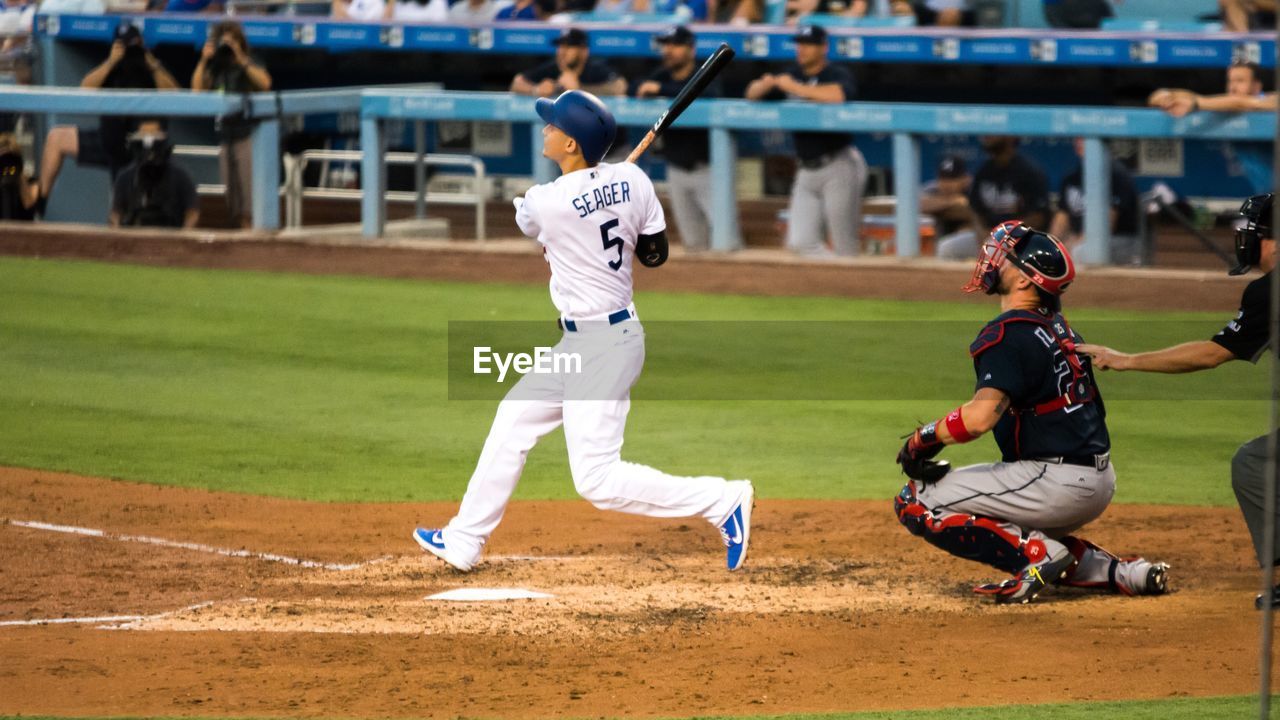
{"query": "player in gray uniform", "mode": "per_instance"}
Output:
(826, 196)
(1038, 396)
(1244, 338)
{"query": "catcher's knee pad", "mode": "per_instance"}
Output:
(972, 537)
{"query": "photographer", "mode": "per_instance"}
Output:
(225, 66)
(18, 192)
(152, 192)
(129, 66)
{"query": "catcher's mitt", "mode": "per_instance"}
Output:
(917, 453)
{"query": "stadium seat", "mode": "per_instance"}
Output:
(1156, 24)
(840, 21)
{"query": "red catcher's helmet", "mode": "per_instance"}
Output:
(1040, 256)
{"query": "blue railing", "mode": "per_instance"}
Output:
(765, 42)
(906, 123)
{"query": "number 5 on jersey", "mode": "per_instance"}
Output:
(610, 242)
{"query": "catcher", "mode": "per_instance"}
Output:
(1037, 393)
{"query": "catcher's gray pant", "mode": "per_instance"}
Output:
(690, 193)
(828, 199)
(1248, 473)
(1031, 499)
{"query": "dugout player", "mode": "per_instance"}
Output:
(1244, 338)
(826, 196)
(685, 149)
(1036, 392)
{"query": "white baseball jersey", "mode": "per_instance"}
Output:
(588, 222)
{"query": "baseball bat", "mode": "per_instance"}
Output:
(690, 92)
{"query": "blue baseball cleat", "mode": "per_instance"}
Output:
(736, 530)
(432, 540)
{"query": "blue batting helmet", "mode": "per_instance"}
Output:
(581, 116)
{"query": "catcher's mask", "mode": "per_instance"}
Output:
(1040, 256)
(1257, 214)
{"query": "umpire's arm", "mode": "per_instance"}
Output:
(1184, 358)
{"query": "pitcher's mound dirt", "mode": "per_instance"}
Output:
(838, 609)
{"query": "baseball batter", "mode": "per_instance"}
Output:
(591, 222)
(1036, 392)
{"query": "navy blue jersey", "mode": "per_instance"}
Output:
(1249, 334)
(1019, 353)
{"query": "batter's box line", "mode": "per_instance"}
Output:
(197, 547)
(105, 622)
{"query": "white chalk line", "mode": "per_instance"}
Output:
(197, 547)
(111, 620)
(540, 558)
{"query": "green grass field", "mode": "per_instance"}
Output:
(335, 388)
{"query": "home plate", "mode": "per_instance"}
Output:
(488, 595)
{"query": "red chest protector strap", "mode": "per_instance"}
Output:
(1081, 389)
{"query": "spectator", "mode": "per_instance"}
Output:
(1241, 15)
(1068, 221)
(859, 8)
(687, 10)
(527, 10)
(944, 13)
(16, 20)
(129, 65)
(472, 11)
(193, 6)
(152, 192)
(826, 196)
(362, 10)
(18, 191)
(747, 12)
(622, 6)
(1244, 94)
(225, 67)
(420, 11)
(947, 200)
(1076, 14)
(1008, 186)
(685, 150)
(572, 69)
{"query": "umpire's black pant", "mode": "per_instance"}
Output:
(1248, 473)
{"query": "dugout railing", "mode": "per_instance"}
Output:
(906, 123)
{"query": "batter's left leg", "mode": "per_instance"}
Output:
(593, 432)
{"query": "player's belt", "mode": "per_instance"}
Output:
(612, 318)
(1097, 462)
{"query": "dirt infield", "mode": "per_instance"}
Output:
(753, 272)
(838, 609)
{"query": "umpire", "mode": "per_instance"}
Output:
(827, 194)
(1244, 338)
